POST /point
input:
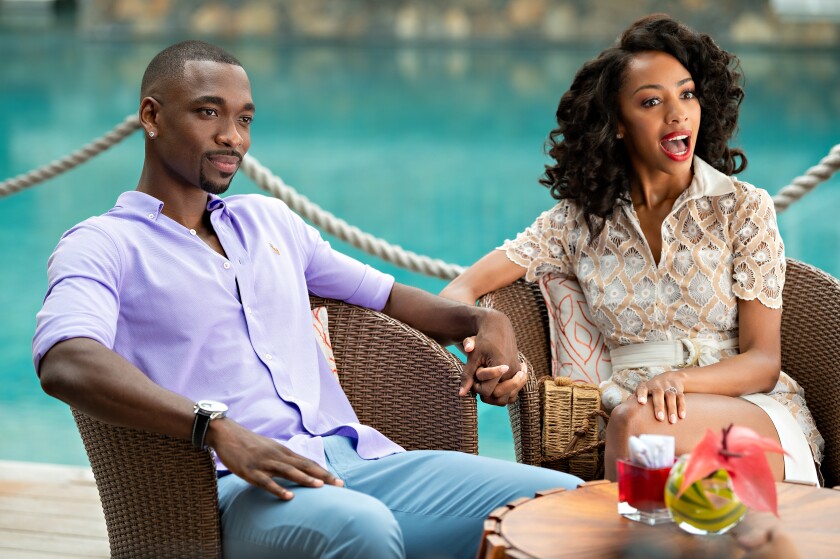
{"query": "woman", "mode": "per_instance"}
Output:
(681, 265)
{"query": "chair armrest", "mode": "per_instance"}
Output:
(158, 493)
(523, 303)
(400, 381)
(525, 420)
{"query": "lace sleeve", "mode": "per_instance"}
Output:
(541, 248)
(759, 253)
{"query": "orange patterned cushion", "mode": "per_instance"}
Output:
(322, 335)
(577, 347)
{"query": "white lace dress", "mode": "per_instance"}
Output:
(720, 243)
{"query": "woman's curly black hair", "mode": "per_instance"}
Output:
(592, 165)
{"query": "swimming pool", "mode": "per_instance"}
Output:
(434, 149)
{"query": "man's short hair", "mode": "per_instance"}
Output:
(169, 63)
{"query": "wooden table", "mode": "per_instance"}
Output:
(584, 523)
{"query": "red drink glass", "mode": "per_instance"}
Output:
(641, 492)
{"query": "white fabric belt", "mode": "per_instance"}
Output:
(687, 352)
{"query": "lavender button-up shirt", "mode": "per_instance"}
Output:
(236, 329)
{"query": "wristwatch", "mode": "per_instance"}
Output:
(205, 412)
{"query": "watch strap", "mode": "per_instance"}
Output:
(199, 430)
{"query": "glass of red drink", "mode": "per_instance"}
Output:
(641, 493)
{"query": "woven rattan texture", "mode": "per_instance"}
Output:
(159, 494)
(811, 351)
(400, 381)
(810, 354)
(523, 303)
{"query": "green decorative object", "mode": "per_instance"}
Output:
(707, 506)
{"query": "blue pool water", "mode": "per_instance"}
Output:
(435, 149)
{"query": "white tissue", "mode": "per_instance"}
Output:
(652, 451)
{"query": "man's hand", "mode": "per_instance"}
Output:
(492, 358)
(101, 383)
(487, 372)
(258, 459)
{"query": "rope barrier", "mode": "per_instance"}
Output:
(115, 136)
(395, 254)
(336, 226)
(802, 185)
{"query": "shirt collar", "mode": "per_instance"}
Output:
(214, 203)
(708, 181)
(140, 202)
(151, 207)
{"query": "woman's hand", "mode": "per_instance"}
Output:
(494, 385)
(666, 392)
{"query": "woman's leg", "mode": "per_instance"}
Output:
(703, 412)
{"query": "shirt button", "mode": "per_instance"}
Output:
(226, 265)
(268, 357)
(248, 310)
(192, 232)
(151, 216)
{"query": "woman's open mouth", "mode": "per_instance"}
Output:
(677, 145)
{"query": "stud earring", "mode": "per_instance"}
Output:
(151, 134)
(619, 135)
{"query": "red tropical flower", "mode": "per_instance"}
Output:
(739, 451)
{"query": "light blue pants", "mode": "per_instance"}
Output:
(419, 504)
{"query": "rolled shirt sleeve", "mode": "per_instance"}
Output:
(334, 275)
(82, 299)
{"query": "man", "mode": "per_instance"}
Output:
(176, 296)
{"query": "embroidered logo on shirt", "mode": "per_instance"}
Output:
(274, 248)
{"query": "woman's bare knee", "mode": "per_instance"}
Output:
(705, 411)
(626, 420)
(631, 418)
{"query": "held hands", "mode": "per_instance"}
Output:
(666, 394)
(496, 385)
(258, 459)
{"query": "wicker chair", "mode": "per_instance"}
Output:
(810, 354)
(159, 494)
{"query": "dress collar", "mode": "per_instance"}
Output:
(708, 181)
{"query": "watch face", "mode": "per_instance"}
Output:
(212, 406)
